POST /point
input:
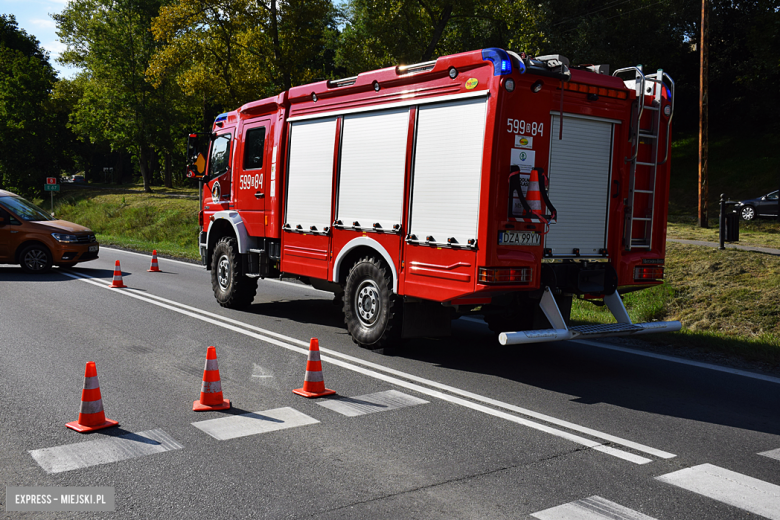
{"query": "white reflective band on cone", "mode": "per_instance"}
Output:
(91, 406)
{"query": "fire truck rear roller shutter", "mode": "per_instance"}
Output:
(310, 179)
(371, 179)
(447, 171)
(580, 169)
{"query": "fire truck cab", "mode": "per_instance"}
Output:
(485, 182)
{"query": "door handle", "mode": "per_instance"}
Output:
(259, 195)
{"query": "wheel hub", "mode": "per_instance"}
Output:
(35, 260)
(367, 302)
(223, 272)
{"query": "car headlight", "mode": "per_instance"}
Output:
(65, 239)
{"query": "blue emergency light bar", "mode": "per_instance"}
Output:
(502, 63)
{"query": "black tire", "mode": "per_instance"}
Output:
(35, 259)
(231, 288)
(371, 311)
(747, 213)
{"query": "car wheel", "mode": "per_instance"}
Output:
(371, 311)
(35, 258)
(748, 213)
(231, 288)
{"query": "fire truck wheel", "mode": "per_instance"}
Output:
(371, 311)
(231, 288)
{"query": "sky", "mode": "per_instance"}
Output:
(33, 17)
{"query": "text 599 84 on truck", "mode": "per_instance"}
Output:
(486, 182)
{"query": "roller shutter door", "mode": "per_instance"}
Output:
(580, 171)
(447, 171)
(373, 161)
(310, 177)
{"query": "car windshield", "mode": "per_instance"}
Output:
(24, 209)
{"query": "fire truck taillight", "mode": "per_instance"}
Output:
(518, 275)
(646, 274)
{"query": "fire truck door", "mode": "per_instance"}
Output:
(219, 170)
(250, 176)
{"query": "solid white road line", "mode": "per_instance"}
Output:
(371, 403)
(672, 359)
(104, 450)
(772, 454)
(591, 508)
(226, 323)
(254, 423)
(730, 487)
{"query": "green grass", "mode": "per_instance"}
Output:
(166, 220)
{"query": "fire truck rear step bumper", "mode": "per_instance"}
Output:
(561, 332)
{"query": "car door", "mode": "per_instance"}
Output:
(768, 205)
(249, 181)
(9, 236)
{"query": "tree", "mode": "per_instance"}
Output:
(29, 121)
(111, 41)
(234, 51)
(381, 33)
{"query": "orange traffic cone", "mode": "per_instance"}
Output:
(211, 389)
(91, 415)
(314, 383)
(117, 283)
(155, 268)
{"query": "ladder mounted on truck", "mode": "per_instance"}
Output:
(645, 143)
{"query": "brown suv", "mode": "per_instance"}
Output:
(34, 239)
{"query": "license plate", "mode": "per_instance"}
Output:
(519, 238)
(92, 249)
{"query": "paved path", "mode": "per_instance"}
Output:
(767, 250)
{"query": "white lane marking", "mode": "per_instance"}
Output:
(671, 359)
(772, 454)
(370, 403)
(730, 487)
(225, 323)
(591, 508)
(734, 371)
(202, 267)
(254, 423)
(104, 450)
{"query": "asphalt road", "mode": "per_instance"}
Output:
(441, 428)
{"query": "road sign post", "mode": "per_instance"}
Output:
(51, 186)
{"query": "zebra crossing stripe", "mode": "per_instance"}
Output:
(371, 403)
(104, 450)
(729, 487)
(254, 423)
(591, 508)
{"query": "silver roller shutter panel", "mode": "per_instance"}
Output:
(373, 161)
(448, 170)
(580, 171)
(310, 177)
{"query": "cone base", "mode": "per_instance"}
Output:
(74, 425)
(304, 393)
(117, 286)
(153, 271)
(197, 406)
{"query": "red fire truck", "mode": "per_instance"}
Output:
(486, 183)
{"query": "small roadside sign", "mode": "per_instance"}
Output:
(51, 180)
(51, 187)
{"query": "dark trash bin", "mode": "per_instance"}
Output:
(731, 228)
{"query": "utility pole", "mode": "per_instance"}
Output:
(703, 113)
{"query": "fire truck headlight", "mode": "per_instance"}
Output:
(376, 86)
(537, 86)
(509, 85)
(453, 72)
